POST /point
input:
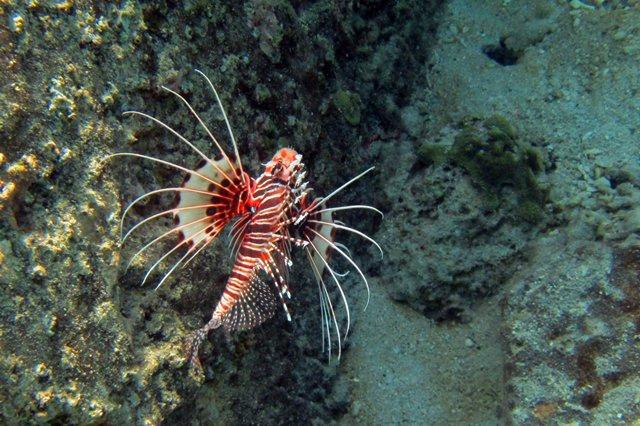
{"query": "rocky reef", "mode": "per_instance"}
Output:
(567, 304)
(463, 210)
(504, 136)
(81, 341)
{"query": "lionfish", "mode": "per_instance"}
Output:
(269, 215)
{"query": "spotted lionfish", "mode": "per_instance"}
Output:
(269, 215)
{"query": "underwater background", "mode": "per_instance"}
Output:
(505, 136)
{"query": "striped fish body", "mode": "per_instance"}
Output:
(247, 301)
(270, 215)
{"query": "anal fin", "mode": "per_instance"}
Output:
(255, 305)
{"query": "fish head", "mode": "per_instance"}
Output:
(284, 164)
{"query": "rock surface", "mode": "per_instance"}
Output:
(81, 341)
(563, 75)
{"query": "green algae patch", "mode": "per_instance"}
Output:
(349, 105)
(499, 128)
(432, 153)
(495, 158)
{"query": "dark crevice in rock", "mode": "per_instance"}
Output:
(501, 54)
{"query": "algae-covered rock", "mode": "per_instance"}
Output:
(445, 249)
(263, 17)
(432, 153)
(492, 154)
(496, 159)
(82, 342)
(348, 103)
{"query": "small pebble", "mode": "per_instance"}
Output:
(356, 407)
(39, 271)
(632, 221)
(603, 185)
